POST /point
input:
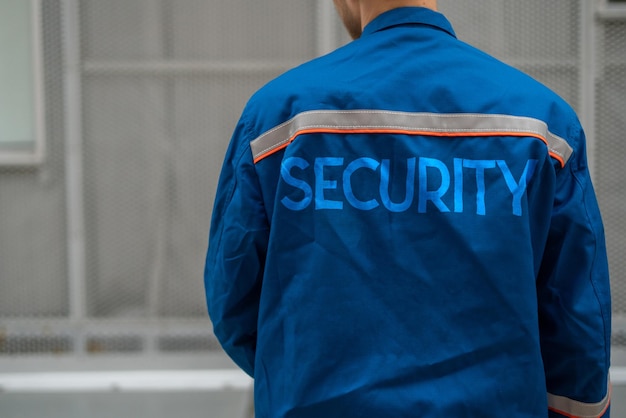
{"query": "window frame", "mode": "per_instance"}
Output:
(34, 153)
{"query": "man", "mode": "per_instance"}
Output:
(406, 227)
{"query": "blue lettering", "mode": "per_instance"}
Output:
(517, 188)
(458, 185)
(285, 172)
(480, 166)
(364, 162)
(434, 196)
(409, 186)
(322, 184)
(429, 178)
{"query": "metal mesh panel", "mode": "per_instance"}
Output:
(538, 37)
(162, 86)
(611, 149)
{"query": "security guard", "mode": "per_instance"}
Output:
(406, 227)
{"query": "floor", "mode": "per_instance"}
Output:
(228, 404)
(138, 391)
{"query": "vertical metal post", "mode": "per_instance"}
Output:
(161, 95)
(40, 117)
(74, 159)
(326, 37)
(587, 83)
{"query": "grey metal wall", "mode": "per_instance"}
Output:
(102, 246)
(610, 105)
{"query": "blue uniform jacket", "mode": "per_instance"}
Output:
(406, 227)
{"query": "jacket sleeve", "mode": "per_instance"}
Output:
(574, 298)
(236, 255)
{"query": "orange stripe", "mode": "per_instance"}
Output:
(403, 132)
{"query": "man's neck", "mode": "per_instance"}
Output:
(370, 9)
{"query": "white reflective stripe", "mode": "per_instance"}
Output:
(576, 409)
(436, 124)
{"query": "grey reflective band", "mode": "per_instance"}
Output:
(575, 409)
(429, 124)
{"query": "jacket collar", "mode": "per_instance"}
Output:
(409, 15)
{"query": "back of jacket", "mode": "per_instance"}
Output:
(406, 228)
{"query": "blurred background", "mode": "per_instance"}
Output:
(114, 119)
